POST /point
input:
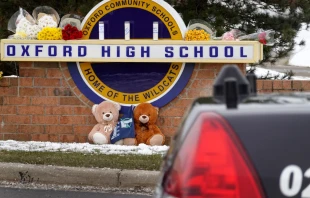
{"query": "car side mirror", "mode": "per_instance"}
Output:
(231, 87)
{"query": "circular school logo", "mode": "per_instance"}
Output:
(132, 83)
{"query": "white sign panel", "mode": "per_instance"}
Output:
(128, 51)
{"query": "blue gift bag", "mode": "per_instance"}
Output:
(125, 127)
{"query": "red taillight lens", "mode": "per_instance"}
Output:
(212, 163)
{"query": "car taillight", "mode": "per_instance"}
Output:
(212, 163)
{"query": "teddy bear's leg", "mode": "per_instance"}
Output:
(99, 138)
(130, 141)
(119, 142)
(156, 140)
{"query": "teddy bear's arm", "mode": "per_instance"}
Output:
(155, 129)
(95, 129)
(157, 137)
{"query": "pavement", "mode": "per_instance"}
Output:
(96, 178)
(31, 193)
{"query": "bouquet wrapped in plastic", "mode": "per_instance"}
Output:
(43, 25)
(71, 33)
(46, 16)
(71, 25)
(21, 23)
(48, 20)
(26, 26)
(264, 37)
(199, 30)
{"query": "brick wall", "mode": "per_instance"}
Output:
(268, 86)
(44, 104)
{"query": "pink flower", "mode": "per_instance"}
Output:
(228, 36)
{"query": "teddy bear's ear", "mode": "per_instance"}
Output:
(93, 109)
(117, 106)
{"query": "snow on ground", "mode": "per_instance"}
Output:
(261, 72)
(301, 53)
(12, 76)
(142, 149)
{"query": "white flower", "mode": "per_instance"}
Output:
(46, 21)
(32, 31)
(22, 25)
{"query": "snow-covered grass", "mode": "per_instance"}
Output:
(301, 53)
(261, 72)
(142, 149)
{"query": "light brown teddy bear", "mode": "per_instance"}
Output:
(145, 116)
(106, 114)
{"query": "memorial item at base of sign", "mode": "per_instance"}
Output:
(1, 73)
(198, 30)
(147, 132)
(124, 132)
(70, 32)
(106, 113)
(264, 37)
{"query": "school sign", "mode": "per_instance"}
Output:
(135, 70)
(132, 51)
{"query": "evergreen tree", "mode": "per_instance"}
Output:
(283, 16)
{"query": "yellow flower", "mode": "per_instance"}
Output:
(197, 35)
(49, 33)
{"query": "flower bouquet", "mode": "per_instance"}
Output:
(264, 37)
(27, 27)
(46, 16)
(48, 20)
(20, 23)
(71, 32)
(43, 25)
(71, 25)
(198, 30)
(232, 35)
(50, 33)
(1, 73)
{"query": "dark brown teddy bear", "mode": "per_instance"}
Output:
(145, 116)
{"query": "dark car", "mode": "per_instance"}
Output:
(240, 145)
